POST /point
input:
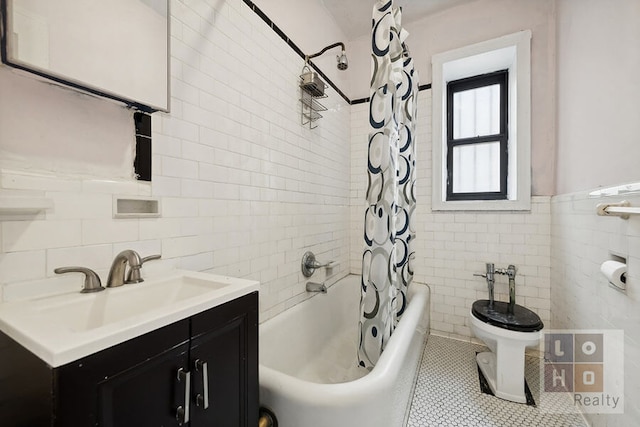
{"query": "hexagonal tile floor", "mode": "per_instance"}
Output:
(447, 393)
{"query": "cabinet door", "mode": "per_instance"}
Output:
(224, 363)
(149, 394)
(25, 387)
(85, 391)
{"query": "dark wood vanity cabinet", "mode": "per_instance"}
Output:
(200, 371)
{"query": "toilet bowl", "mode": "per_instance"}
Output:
(507, 335)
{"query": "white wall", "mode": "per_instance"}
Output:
(598, 92)
(56, 130)
(245, 188)
(598, 145)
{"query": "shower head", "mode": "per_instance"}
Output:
(343, 64)
(342, 58)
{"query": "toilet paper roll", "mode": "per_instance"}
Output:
(615, 272)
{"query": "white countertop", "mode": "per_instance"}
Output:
(62, 328)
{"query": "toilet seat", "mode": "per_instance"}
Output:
(522, 319)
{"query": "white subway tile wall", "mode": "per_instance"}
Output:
(581, 297)
(450, 247)
(245, 188)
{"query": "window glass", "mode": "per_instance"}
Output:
(476, 112)
(476, 168)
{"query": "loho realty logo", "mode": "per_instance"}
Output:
(588, 365)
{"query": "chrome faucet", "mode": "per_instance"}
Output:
(489, 275)
(510, 272)
(117, 272)
(316, 287)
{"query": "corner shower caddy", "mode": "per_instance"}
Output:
(311, 88)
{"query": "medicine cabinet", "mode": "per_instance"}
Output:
(117, 48)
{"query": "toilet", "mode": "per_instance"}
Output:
(507, 335)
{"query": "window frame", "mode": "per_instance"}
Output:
(500, 78)
(513, 53)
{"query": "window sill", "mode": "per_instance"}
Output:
(482, 205)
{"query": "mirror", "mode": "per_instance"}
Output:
(116, 48)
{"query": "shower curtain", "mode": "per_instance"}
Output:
(388, 230)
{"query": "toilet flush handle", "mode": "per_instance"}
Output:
(489, 275)
(491, 270)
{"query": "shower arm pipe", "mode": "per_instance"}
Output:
(331, 46)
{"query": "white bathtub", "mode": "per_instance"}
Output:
(308, 362)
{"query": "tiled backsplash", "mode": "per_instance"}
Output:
(245, 188)
(450, 247)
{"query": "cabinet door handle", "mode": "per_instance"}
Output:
(182, 413)
(203, 399)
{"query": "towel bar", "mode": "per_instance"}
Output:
(622, 209)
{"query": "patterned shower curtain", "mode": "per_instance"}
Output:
(388, 230)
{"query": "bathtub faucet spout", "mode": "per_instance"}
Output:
(316, 287)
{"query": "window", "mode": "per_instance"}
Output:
(481, 126)
(477, 135)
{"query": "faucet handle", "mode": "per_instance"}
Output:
(133, 276)
(480, 275)
(149, 258)
(91, 279)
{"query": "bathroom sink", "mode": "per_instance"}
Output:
(119, 304)
(63, 328)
